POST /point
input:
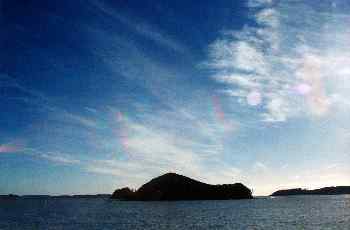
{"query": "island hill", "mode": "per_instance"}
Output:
(338, 190)
(171, 187)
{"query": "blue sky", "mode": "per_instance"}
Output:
(100, 94)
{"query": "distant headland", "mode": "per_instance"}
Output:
(338, 190)
(172, 186)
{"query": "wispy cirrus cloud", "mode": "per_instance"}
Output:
(187, 145)
(53, 157)
(40, 102)
(141, 28)
(14, 90)
(59, 158)
(289, 65)
(84, 121)
(57, 123)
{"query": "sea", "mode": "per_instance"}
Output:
(292, 212)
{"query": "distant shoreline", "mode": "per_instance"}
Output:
(14, 196)
(108, 196)
(336, 190)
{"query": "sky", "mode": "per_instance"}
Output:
(101, 94)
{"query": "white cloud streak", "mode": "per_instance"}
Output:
(54, 157)
(78, 119)
(143, 29)
(43, 103)
(59, 158)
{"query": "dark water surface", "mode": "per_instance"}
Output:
(298, 212)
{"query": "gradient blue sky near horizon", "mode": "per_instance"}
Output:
(101, 94)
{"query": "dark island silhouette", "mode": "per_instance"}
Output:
(337, 190)
(172, 186)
